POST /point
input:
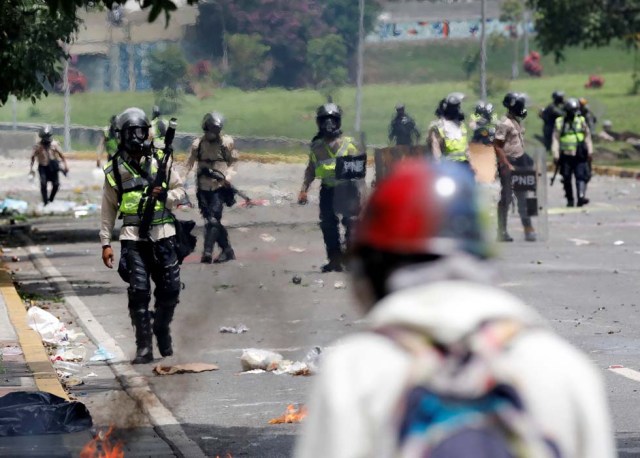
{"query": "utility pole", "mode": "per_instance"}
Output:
(483, 51)
(14, 112)
(67, 104)
(359, 76)
(525, 29)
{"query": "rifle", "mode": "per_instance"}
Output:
(218, 175)
(149, 202)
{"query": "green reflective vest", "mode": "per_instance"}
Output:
(326, 169)
(572, 134)
(132, 190)
(455, 149)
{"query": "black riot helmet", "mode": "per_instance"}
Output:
(558, 97)
(571, 107)
(452, 107)
(515, 103)
(329, 120)
(133, 126)
(46, 134)
(212, 122)
(484, 109)
(440, 108)
(155, 112)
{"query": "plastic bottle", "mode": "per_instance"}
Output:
(69, 367)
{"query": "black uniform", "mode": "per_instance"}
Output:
(403, 130)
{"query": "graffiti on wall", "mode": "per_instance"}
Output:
(434, 30)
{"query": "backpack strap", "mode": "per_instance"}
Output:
(115, 160)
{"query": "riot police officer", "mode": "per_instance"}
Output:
(403, 130)
(510, 151)
(128, 178)
(48, 154)
(448, 134)
(339, 197)
(483, 123)
(215, 154)
(572, 150)
(549, 115)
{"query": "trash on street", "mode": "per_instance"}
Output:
(618, 242)
(580, 242)
(238, 329)
(10, 206)
(296, 279)
(267, 238)
(255, 358)
(296, 249)
(340, 285)
(51, 329)
(101, 355)
(187, 368)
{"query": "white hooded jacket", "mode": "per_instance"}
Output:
(357, 393)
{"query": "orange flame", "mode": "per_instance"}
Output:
(102, 446)
(228, 455)
(291, 416)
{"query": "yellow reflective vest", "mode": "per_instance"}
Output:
(455, 149)
(573, 133)
(132, 190)
(326, 168)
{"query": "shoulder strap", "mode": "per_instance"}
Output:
(115, 160)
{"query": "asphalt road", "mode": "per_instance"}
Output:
(583, 280)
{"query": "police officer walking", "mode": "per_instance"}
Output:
(403, 130)
(338, 197)
(215, 154)
(49, 154)
(510, 151)
(572, 151)
(128, 176)
(448, 135)
(549, 115)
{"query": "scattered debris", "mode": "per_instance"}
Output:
(10, 206)
(254, 203)
(101, 355)
(188, 368)
(238, 329)
(296, 280)
(267, 238)
(292, 415)
(253, 371)
(580, 242)
(70, 353)
(255, 358)
(11, 350)
(319, 283)
(67, 368)
(340, 285)
(243, 229)
(618, 242)
(296, 249)
(85, 210)
(51, 329)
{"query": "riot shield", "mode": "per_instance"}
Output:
(483, 162)
(386, 158)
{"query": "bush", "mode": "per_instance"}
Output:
(249, 66)
(169, 100)
(167, 68)
(496, 86)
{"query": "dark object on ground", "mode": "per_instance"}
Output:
(26, 413)
(296, 280)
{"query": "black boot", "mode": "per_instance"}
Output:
(162, 320)
(142, 322)
(334, 264)
(568, 191)
(227, 253)
(582, 190)
(210, 237)
(503, 235)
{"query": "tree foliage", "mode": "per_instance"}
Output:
(563, 23)
(249, 66)
(327, 61)
(167, 68)
(343, 16)
(33, 39)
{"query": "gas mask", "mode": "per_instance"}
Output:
(134, 138)
(329, 126)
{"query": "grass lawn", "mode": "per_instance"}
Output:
(279, 113)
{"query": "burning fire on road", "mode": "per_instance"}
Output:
(103, 446)
(292, 415)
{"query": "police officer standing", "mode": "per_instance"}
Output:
(572, 151)
(337, 196)
(483, 123)
(549, 115)
(448, 134)
(510, 151)
(402, 129)
(48, 153)
(128, 176)
(215, 154)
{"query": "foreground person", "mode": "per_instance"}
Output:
(450, 365)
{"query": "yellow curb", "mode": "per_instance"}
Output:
(34, 352)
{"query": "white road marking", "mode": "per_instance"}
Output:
(626, 372)
(133, 383)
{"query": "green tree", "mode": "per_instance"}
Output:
(249, 66)
(343, 16)
(34, 35)
(167, 68)
(327, 61)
